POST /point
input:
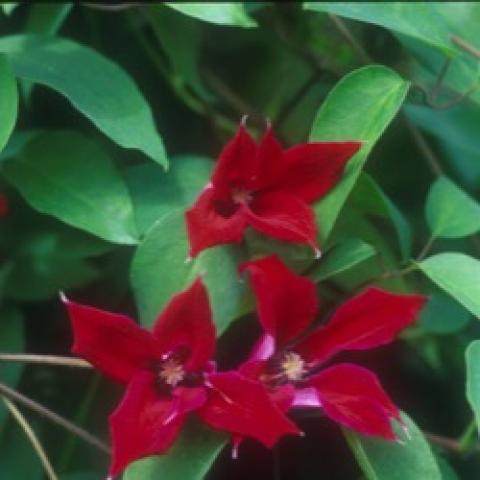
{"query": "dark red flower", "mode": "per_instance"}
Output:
(168, 374)
(3, 205)
(266, 188)
(348, 394)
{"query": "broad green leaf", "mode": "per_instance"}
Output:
(65, 175)
(450, 211)
(8, 101)
(16, 143)
(221, 13)
(457, 274)
(472, 357)
(160, 269)
(341, 257)
(386, 460)
(360, 107)
(156, 192)
(11, 341)
(189, 459)
(416, 19)
(97, 87)
(443, 315)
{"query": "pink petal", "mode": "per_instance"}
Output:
(287, 303)
(313, 169)
(243, 407)
(207, 228)
(283, 216)
(353, 397)
(372, 318)
(306, 397)
(113, 343)
(142, 424)
(186, 322)
(264, 348)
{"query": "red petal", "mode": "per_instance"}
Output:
(243, 407)
(283, 216)
(142, 424)
(287, 303)
(206, 227)
(187, 322)
(372, 318)
(237, 163)
(353, 397)
(113, 343)
(314, 168)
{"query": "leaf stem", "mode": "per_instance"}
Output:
(467, 438)
(45, 360)
(423, 253)
(12, 394)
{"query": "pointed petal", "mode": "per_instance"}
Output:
(142, 424)
(287, 303)
(313, 169)
(207, 228)
(283, 216)
(237, 162)
(113, 343)
(189, 399)
(243, 407)
(187, 322)
(353, 397)
(372, 318)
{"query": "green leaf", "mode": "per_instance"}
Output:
(450, 211)
(160, 269)
(189, 459)
(221, 13)
(47, 18)
(342, 257)
(156, 193)
(360, 107)
(458, 275)
(95, 86)
(11, 341)
(386, 460)
(472, 357)
(65, 175)
(416, 19)
(9, 7)
(443, 315)
(8, 101)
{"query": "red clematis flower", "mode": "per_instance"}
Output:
(348, 394)
(168, 374)
(266, 188)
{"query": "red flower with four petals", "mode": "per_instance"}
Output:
(287, 356)
(266, 188)
(169, 373)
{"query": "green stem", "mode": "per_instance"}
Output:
(468, 437)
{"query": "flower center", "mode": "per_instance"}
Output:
(171, 372)
(241, 196)
(293, 366)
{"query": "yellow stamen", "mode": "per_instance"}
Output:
(293, 366)
(171, 372)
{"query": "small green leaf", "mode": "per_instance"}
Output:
(443, 315)
(9, 7)
(8, 101)
(221, 13)
(97, 87)
(458, 275)
(472, 357)
(156, 193)
(160, 269)
(189, 459)
(341, 257)
(386, 460)
(416, 19)
(69, 177)
(450, 211)
(360, 107)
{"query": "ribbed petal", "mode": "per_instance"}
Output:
(186, 323)
(113, 343)
(352, 396)
(287, 303)
(372, 318)
(313, 169)
(243, 407)
(143, 424)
